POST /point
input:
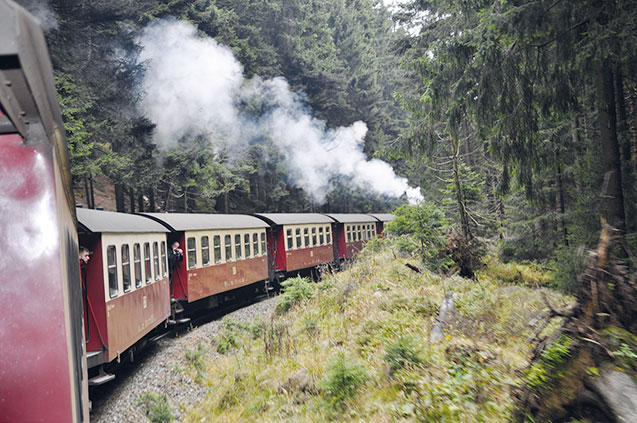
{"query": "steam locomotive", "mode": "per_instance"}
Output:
(62, 325)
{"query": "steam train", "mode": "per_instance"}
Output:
(128, 292)
(62, 323)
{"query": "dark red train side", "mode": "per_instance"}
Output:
(42, 370)
(298, 241)
(351, 231)
(126, 285)
(382, 220)
(221, 253)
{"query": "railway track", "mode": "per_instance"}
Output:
(106, 399)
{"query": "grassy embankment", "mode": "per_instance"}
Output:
(355, 347)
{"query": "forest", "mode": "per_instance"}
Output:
(516, 119)
(508, 126)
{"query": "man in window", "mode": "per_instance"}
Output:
(175, 255)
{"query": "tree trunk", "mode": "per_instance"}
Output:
(464, 220)
(185, 201)
(131, 199)
(120, 200)
(151, 197)
(140, 202)
(560, 201)
(612, 193)
(167, 197)
(92, 191)
(633, 128)
(88, 194)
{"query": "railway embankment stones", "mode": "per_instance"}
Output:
(164, 372)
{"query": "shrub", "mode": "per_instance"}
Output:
(156, 407)
(295, 290)
(342, 380)
(196, 359)
(567, 264)
(427, 225)
(402, 353)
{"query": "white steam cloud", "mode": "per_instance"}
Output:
(195, 86)
(41, 10)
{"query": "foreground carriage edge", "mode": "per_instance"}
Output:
(43, 369)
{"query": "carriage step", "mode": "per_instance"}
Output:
(158, 337)
(178, 321)
(100, 379)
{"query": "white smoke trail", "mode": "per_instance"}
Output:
(41, 10)
(195, 86)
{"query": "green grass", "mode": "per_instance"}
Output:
(354, 347)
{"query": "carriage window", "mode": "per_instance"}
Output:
(328, 234)
(306, 235)
(126, 267)
(297, 232)
(164, 266)
(137, 263)
(228, 244)
(147, 269)
(237, 246)
(205, 251)
(191, 245)
(360, 237)
(349, 234)
(314, 237)
(321, 236)
(246, 241)
(263, 250)
(111, 258)
(290, 239)
(156, 260)
(217, 246)
(255, 244)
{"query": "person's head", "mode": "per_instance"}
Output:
(175, 245)
(84, 254)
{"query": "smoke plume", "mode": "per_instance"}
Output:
(41, 10)
(195, 86)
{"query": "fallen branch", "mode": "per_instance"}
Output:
(413, 267)
(445, 314)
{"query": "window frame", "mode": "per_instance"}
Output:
(205, 251)
(148, 266)
(191, 264)
(246, 246)
(289, 239)
(137, 265)
(255, 244)
(264, 247)
(114, 280)
(227, 245)
(238, 253)
(156, 259)
(125, 266)
(163, 258)
(216, 248)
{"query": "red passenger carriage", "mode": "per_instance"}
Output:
(222, 253)
(351, 231)
(125, 281)
(298, 241)
(42, 370)
(382, 219)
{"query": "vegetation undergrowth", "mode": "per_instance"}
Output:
(355, 347)
(156, 407)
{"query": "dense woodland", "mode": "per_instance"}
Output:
(517, 119)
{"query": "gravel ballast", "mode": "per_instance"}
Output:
(162, 372)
